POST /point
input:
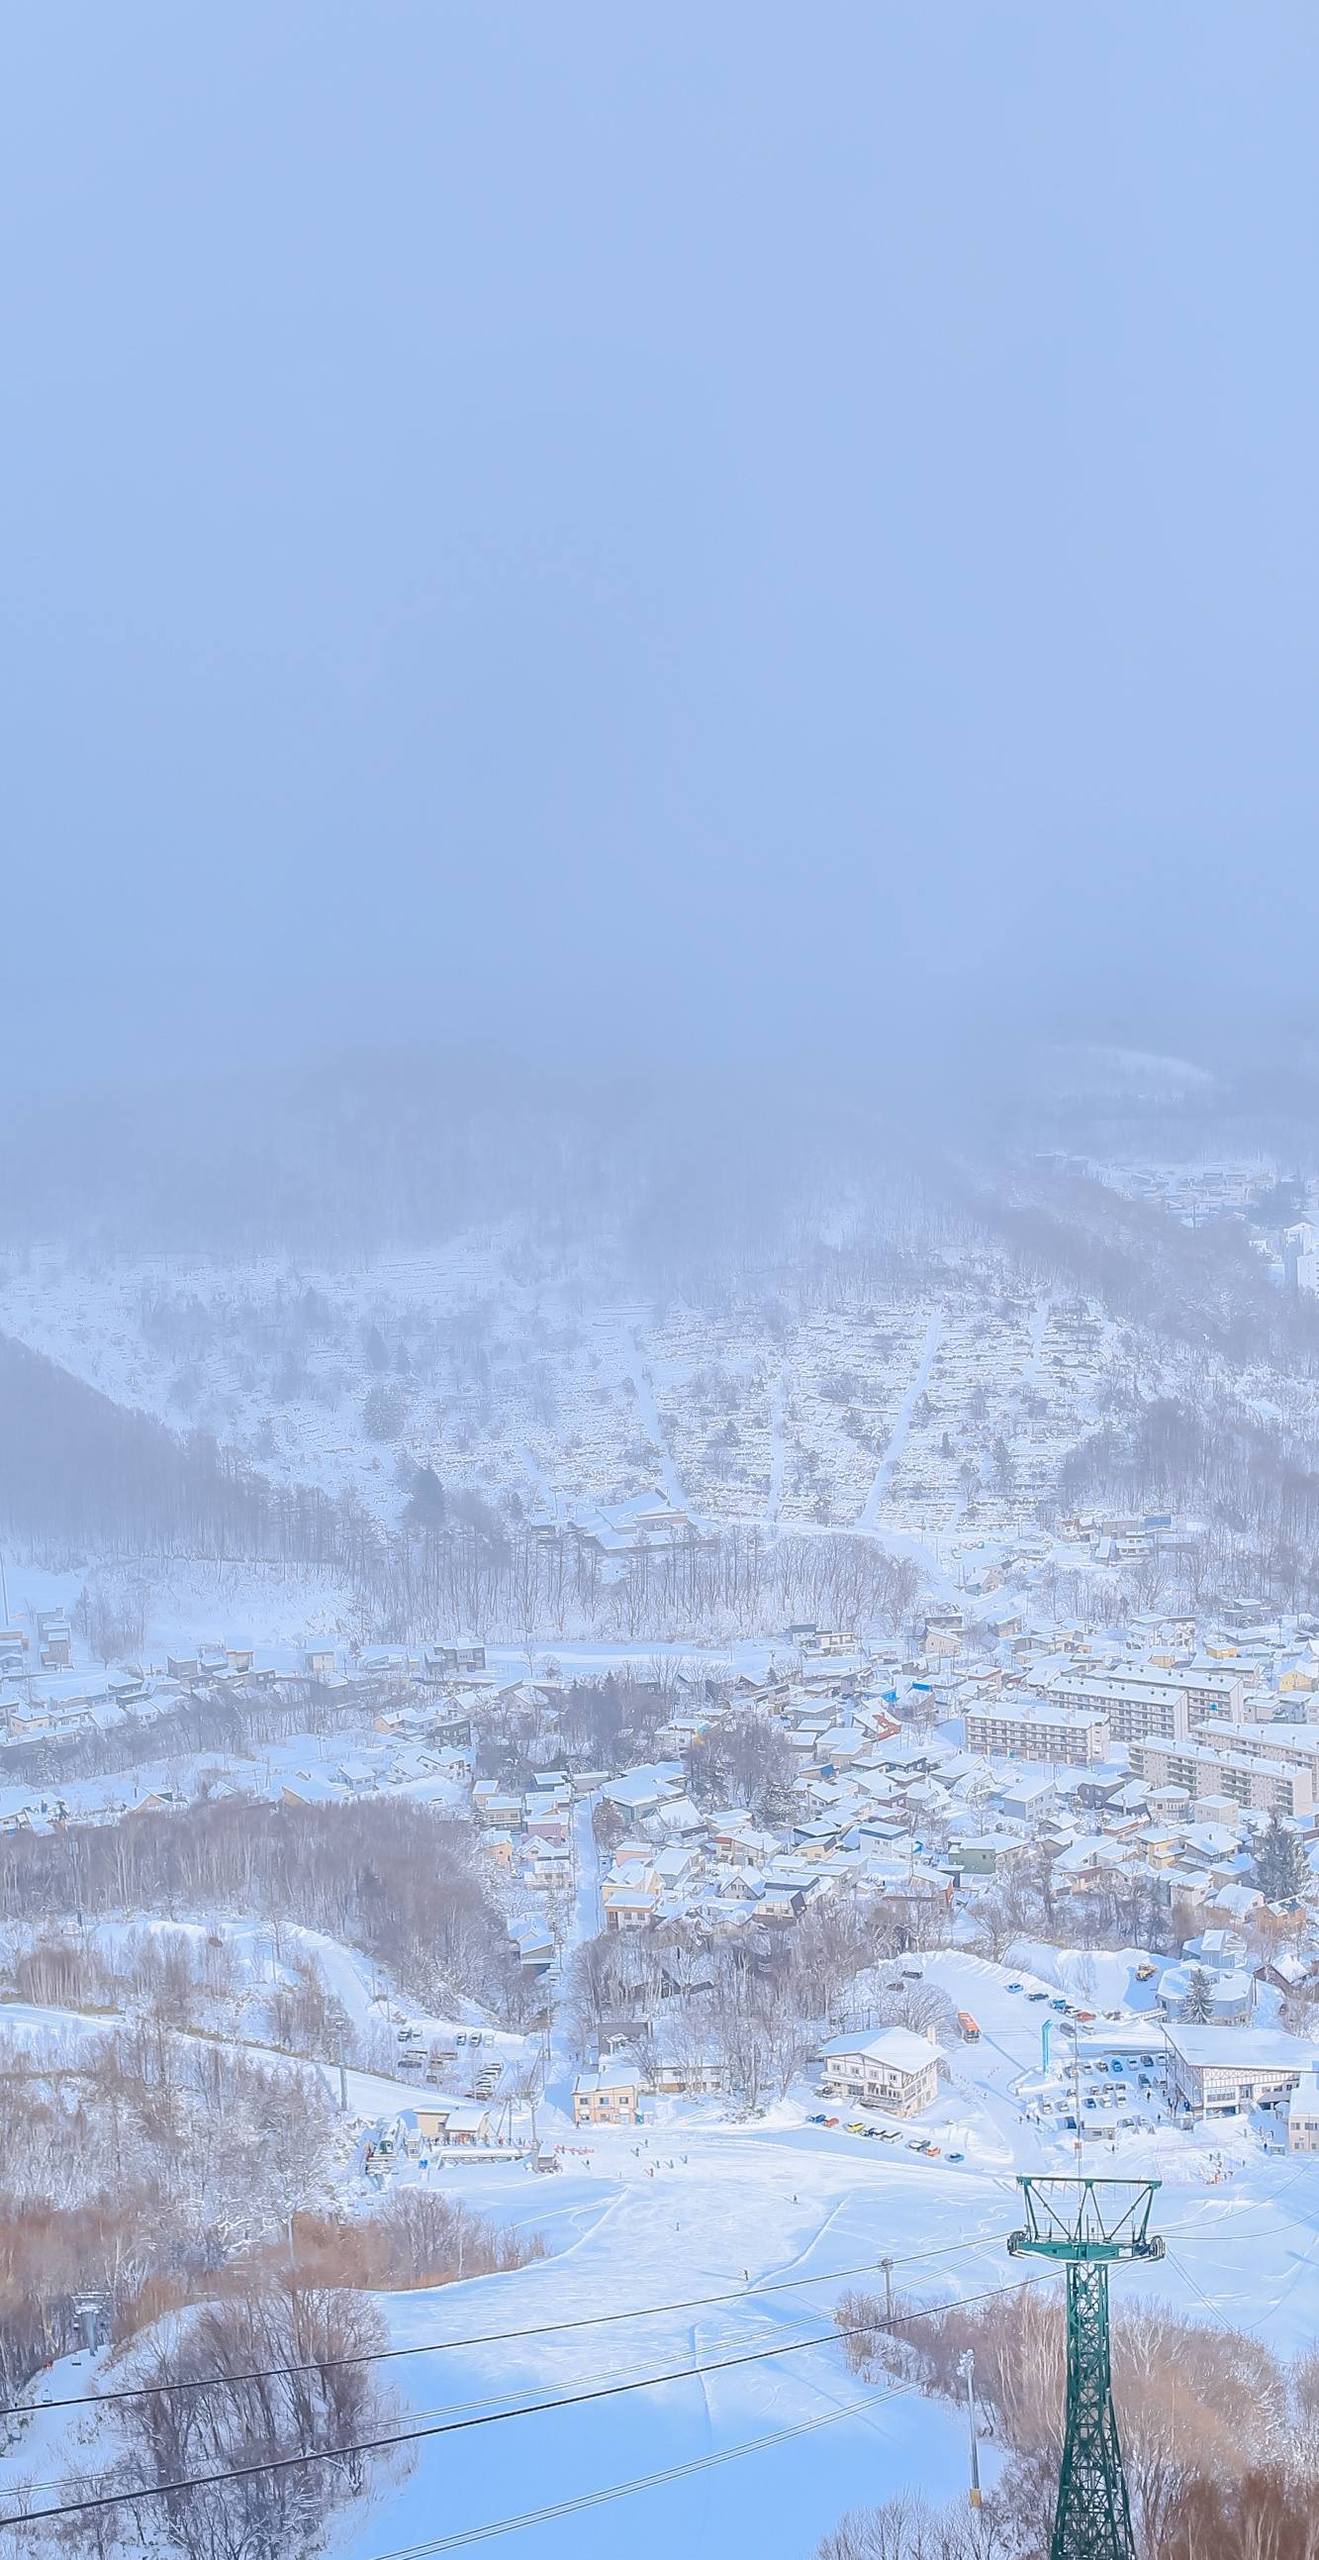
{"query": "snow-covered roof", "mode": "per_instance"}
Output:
(1304, 2100)
(1241, 2048)
(611, 2075)
(895, 2047)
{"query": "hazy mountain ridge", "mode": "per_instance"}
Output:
(556, 1302)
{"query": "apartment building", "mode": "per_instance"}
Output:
(1257, 1783)
(1135, 1709)
(1288, 1746)
(1037, 1729)
(1147, 1703)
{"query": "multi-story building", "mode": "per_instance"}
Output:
(1303, 2113)
(1288, 1746)
(894, 2070)
(1259, 1784)
(1037, 1729)
(611, 2095)
(1146, 1703)
(630, 1897)
(1134, 1708)
(1225, 2071)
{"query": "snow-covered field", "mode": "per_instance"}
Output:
(686, 2209)
(692, 2241)
(783, 2216)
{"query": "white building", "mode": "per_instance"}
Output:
(1036, 1729)
(894, 2070)
(1303, 2113)
(1259, 1782)
(1225, 2071)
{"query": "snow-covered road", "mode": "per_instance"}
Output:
(868, 1517)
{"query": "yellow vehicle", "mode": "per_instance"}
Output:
(856, 2128)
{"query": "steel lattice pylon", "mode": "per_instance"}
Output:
(1088, 2224)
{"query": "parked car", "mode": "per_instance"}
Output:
(1037, 1995)
(1014, 1986)
(1059, 2005)
(956, 2155)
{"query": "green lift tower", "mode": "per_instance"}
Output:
(1088, 2225)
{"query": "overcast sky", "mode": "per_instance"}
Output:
(723, 527)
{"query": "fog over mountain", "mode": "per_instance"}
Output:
(659, 1279)
(637, 539)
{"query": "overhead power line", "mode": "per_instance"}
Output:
(75, 2482)
(536, 2408)
(651, 2480)
(490, 2338)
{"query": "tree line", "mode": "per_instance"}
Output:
(1220, 2436)
(393, 1879)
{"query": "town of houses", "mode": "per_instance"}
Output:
(1145, 1762)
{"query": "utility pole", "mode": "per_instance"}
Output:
(1089, 2225)
(966, 2366)
(887, 2265)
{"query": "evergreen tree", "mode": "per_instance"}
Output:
(426, 1507)
(1198, 2006)
(1281, 1871)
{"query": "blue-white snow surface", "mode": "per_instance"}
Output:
(651, 2226)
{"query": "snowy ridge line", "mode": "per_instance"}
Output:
(492, 2338)
(499, 2417)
